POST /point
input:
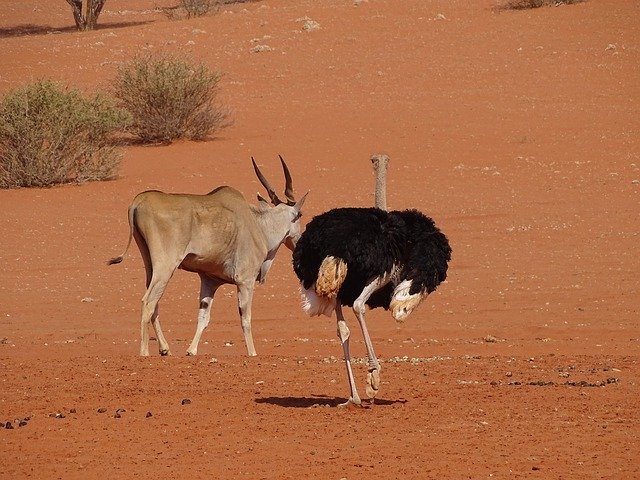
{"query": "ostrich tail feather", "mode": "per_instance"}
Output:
(314, 305)
(330, 277)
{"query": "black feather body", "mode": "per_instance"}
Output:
(373, 242)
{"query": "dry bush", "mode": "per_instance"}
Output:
(190, 9)
(529, 4)
(51, 135)
(197, 8)
(170, 99)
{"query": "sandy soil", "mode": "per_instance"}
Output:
(516, 131)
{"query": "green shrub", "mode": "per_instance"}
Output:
(51, 135)
(170, 99)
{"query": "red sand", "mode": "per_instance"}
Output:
(516, 131)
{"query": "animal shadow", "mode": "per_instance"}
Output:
(319, 401)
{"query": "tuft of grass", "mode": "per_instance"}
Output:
(50, 134)
(530, 4)
(170, 99)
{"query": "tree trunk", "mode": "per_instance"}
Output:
(93, 9)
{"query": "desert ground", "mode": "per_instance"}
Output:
(516, 131)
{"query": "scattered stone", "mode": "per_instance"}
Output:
(490, 339)
(256, 49)
(57, 415)
(102, 410)
(186, 401)
(72, 410)
(541, 383)
(8, 426)
(87, 300)
(22, 423)
(310, 25)
(149, 414)
(440, 16)
(213, 360)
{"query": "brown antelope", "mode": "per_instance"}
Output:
(219, 236)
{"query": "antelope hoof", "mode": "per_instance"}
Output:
(190, 353)
(165, 353)
(373, 384)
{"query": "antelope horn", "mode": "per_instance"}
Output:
(272, 194)
(288, 189)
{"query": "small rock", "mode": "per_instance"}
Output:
(490, 339)
(8, 426)
(149, 414)
(102, 410)
(440, 16)
(186, 401)
(22, 423)
(258, 49)
(310, 25)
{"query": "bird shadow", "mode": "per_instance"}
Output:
(320, 401)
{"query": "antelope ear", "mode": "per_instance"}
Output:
(263, 204)
(299, 203)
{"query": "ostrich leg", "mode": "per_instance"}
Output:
(343, 335)
(359, 306)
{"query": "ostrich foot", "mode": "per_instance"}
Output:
(373, 384)
(351, 402)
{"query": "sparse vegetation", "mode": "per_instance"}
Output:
(170, 99)
(51, 135)
(190, 9)
(530, 4)
(196, 8)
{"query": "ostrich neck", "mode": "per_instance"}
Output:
(381, 189)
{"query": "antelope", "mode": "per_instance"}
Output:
(219, 236)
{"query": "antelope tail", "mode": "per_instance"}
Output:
(119, 258)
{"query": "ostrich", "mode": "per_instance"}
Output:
(360, 257)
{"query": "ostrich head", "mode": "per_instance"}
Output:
(403, 302)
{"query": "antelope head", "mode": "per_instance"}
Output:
(290, 206)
